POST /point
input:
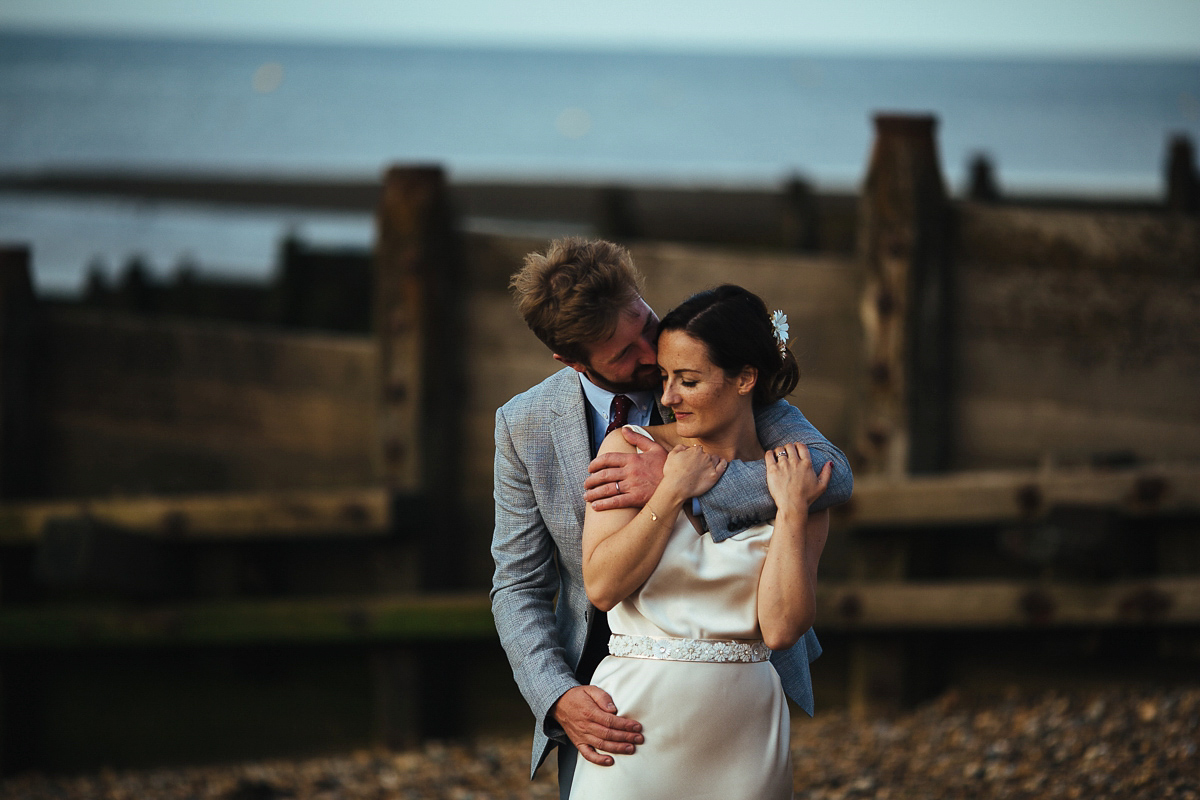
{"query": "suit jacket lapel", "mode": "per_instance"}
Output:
(572, 445)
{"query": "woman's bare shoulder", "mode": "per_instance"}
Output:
(664, 434)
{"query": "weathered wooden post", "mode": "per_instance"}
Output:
(617, 218)
(904, 241)
(982, 186)
(17, 439)
(800, 225)
(18, 457)
(904, 424)
(1183, 180)
(418, 324)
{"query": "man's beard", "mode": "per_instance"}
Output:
(644, 379)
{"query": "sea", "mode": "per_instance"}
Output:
(245, 109)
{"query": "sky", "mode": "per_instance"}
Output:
(1068, 28)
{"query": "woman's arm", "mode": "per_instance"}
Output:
(741, 499)
(787, 588)
(622, 546)
(787, 603)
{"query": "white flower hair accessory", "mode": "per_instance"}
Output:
(780, 324)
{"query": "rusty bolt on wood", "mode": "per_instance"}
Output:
(175, 524)
(850, 607)
(1146, 605)
(358, 621)
(355, 513)
(394, 452)
(881, 375)
(1037, 606)
(299, 511)
(878, 436)
(885, 303)
(1149, 490)
(1029, 499)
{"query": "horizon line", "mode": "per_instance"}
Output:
(601, 46)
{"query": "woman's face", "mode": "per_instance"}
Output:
(703, 398)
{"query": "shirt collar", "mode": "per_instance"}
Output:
(601, 399)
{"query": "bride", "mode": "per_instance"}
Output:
(694, 621)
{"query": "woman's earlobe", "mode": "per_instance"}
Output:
(747, 379)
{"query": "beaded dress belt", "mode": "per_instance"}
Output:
(670, 649)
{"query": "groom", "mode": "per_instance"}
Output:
(583, 300)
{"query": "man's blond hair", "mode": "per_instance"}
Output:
(572, 295)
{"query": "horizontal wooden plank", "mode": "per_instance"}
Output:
(1130, 240)
(1074, 363)
(141, 460)
(994, 497)
(299, 621)
(1011, 432)
(172, 405)
(845, 607)
(1007, 604)
(358, 511)
(88, 346)
(961, 498)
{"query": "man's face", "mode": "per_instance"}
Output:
(628, 360)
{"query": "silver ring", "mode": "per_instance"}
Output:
(618, 484)
(781, 453)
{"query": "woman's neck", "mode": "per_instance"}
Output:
(737, 442)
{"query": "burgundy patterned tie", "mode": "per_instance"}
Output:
(620, 413)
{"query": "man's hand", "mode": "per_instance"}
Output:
(625, 480)
(590, 720)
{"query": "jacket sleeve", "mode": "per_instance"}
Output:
(524, 586)
(740, 499)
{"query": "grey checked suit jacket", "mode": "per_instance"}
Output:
(538, 600)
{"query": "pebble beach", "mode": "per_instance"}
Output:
(1120, 744)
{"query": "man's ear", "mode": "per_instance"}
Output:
(747, 379)
(575, 365)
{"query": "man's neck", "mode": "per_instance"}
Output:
(600, 396)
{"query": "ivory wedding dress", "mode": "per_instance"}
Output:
(687, 661)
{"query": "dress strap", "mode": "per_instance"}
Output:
(641, 430)
(672, 649)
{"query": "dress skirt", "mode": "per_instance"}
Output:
(713, 730)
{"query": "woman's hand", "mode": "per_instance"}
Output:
(691, 471)
(790, 478)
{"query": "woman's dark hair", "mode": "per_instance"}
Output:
(734, 325)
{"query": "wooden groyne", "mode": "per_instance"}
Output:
(302, 475)
(793, 215)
